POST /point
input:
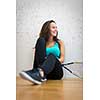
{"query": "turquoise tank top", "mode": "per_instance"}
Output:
(54, 50)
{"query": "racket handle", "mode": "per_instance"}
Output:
(67, 63)
(67, 69)
(72, 63)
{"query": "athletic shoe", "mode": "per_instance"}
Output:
(32, 76)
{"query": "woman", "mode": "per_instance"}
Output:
(49, 54)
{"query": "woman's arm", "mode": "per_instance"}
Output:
(61, 59)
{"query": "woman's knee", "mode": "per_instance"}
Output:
(51, 56)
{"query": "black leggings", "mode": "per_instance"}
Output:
(50, 64)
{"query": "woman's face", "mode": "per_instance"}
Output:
(53, 29)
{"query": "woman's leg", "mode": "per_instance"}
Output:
(52, 67)
(49, 64)
(57, 72)
(40, 52)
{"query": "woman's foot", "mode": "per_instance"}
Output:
(33, 76)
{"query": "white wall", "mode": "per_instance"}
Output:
(31, 14)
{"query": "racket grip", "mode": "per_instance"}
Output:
(67, 63)
(67, 69)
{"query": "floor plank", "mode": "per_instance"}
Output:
(67, 89)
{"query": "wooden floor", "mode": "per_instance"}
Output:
(67, 89)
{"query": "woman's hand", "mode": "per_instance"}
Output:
(61, 60)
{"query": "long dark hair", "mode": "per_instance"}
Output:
(45, 31)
